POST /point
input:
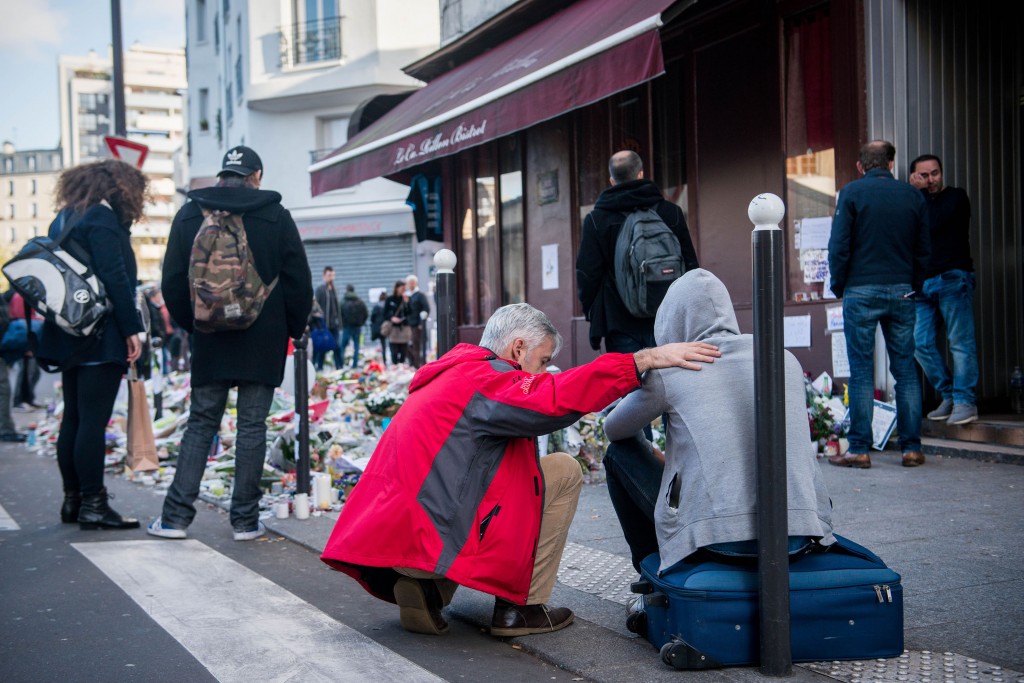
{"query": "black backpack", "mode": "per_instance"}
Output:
(648, 259)
(353, 312)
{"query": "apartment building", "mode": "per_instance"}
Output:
(155, 84)
(294, 79)
(28, 179)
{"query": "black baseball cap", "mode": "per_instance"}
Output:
(241, 160)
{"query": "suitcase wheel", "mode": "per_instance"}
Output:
(637, 623)
(681, 656)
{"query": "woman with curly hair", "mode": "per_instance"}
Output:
(100, 200)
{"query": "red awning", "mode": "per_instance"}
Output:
(583, 54)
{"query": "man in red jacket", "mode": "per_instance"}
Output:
(455, 493)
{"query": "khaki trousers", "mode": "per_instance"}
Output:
(563, 480)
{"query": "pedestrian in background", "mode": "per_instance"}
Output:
(396, 309)
(102, 199)
(353, 317)
(878, 256)
(377, 317)
(251, 359)
(28, 368)
(947, 295)
(419, 311)
(8, 432)
(327, 299)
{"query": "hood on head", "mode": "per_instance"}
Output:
(696, 307)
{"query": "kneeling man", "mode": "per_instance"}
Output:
(455, 493)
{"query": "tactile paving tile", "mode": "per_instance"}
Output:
(597, 572)
(608, 576)
(915, 666)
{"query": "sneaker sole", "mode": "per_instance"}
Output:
(164, 534)
(413, 612)
(939, 417)
(248, 535)
(527, 631)
(964, 421)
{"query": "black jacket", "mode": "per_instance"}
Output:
(595, 262)
(108, 247)
(256, 354)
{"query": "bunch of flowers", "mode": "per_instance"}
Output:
(383, 403)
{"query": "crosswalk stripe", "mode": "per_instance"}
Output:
(7, 522)
(239, 625)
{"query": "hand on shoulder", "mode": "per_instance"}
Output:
(680, 354)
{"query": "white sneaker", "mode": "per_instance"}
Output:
(157, 528)
(250, 535)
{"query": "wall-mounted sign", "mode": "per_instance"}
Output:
(547, 187)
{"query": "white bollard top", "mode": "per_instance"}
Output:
(766, 211)
(445, 261)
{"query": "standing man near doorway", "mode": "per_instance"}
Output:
(327, 299)
(878, 255)
(419, 311)
(947, 294)
(595, 264)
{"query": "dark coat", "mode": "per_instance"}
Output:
(595, 263)
(107, 245)
(327, 299)
(258, 353)
(880, 234)
(417, 303)
(395, 306)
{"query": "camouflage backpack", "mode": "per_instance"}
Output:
(227, 292)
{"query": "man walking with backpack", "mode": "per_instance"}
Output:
(232, 232)
(353, 316)
(627, 324)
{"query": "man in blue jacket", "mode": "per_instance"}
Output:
(878, 255)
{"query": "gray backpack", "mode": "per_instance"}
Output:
(648, 259)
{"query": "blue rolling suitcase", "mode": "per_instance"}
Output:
(845, 603)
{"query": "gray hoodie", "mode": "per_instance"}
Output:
(708, 490)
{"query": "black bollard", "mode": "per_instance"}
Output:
(765, 211)
(302, 411)
(446, 332)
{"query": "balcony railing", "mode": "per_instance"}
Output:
(316, 155)
(309, 42)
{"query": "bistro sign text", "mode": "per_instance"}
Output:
(437, 143)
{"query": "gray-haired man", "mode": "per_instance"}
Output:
(455, 493)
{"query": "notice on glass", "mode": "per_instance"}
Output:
(814, 263)
(834, 318)
(814, 233)
(796, 331)
(549, 266)
(840, 362)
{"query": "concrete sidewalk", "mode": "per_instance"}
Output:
(953, 529)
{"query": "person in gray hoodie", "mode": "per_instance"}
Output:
(702, 492)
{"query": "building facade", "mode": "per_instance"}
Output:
(287, 78)
(723, 101)
(28, 179)
(154, 83)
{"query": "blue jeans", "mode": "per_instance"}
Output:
(207, 409)
(354, 334)
(634, 478)
(864, 307)
(950, 296)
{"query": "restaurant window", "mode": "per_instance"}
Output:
(668, 165)
(810, 154)
(593, 149)
(489, 206)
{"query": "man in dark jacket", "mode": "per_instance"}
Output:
(878, 255)
(252, 359)
(327, 300)
(353, 316)
(595, 264)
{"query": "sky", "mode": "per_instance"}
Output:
(33, 33)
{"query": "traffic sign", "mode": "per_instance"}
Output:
(132, 152)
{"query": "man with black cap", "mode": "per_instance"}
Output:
(251, 359)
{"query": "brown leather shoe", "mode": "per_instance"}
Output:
(511, 619)
(419, 603)
(858, 460)
(913, 458)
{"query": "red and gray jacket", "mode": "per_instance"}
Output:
(454, 486)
